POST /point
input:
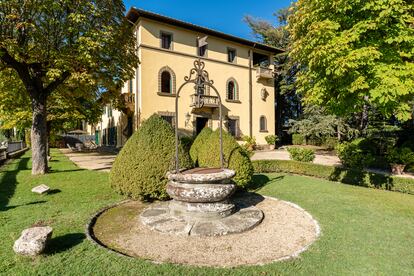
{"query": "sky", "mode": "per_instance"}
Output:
(221, 15)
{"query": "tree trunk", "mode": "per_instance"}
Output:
(364, 116)
(39, 135)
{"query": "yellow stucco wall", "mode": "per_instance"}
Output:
(180, 60)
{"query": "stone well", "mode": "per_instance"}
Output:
(201, 205)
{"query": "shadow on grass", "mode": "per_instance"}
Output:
(8, 181)
(64, 243)
(54, 191)
(27, 204)
(62, 171)
(361, 178)
(261, 180)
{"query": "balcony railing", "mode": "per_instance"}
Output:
(198, 101)
(264, 73)
(129, 100)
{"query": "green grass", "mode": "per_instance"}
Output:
(364, 231)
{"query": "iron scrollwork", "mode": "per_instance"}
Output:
(201, 80)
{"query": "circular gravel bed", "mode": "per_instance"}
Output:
(285, 232)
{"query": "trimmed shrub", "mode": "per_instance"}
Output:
(338, 174)
(355, 154)
(140, 168)
(207, 151)
(330, 143)
(298, 139)
(403, 156)
(301, 155)
(187, 142)
(199, 141)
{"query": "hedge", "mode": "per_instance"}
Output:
(302, 154)
(338, 174)
(198, 143)
(205, 152)
(139, 171)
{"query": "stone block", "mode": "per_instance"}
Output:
(32, 241)
(41, 189)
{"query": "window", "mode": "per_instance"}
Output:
(231, 55)
(166, 41)
(202, 51)
(131, 86)
(232, 93)
(166, 82)
(168, 119)
(232, 127)
(261, 60)
(263, 124)
(109, 108)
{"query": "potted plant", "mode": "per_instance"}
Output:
(250, 143)
(399, 158)
(271, 140)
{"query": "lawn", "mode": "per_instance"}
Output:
(364, 231)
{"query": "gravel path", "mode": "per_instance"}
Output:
(282, 154)
(95, 161)
(286, 231)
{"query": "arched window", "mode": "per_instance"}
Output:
(166, 81)
(166, 85)
(232, 90)
(263, 123)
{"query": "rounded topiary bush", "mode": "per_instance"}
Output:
(199, 141)
(206, 153)
(140, 168)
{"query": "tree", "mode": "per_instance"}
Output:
(51, 45)
(66, 109)
(355, 54)
(288, 102)
(316, 123)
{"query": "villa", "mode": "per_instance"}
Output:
(241, 69)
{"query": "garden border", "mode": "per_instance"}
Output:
(337, 174)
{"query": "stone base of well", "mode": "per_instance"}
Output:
(201, 205)
(163, 217)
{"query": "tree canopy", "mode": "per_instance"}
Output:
(355, 53)
(64, 49)
(315, 122)
(66, 109)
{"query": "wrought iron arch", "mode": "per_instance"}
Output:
(201, 79)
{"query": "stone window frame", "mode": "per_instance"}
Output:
(198, 50)
(235, 55)
(238, 131)
(168, 114)
(264, 122)
(236, 91)
(173, 82)
(130, 86)
(172, 40)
